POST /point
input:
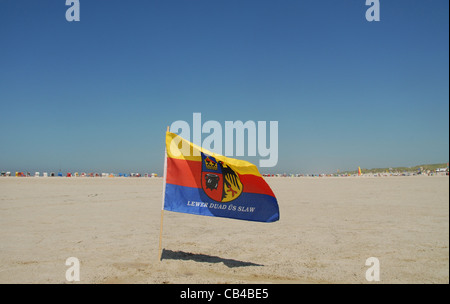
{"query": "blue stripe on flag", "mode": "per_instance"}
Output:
(248, 206)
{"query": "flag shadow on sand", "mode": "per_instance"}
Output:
(203, 258)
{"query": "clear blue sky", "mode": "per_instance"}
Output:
(97, 95)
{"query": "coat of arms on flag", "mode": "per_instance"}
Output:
(219, 181)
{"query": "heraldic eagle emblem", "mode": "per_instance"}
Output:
(219, 181)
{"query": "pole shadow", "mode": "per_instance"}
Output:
(203, 258)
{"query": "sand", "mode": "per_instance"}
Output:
(328, 228)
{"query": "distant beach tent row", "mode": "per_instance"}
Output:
(75, 174)
(441, 170)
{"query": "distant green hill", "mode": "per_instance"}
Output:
(430, 167)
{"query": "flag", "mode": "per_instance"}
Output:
(359, 171)
(201, 182)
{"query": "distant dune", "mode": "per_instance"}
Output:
(424, 168)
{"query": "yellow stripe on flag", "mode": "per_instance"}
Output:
(179, 148)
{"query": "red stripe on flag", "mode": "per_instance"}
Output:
(182, 172)
(255, 184)
(188, 173)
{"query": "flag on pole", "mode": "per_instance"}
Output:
(201, 182)
(359, 171)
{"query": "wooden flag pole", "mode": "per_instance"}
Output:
(163, 197)
(160, 235)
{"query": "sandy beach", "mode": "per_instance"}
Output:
(328, 228)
